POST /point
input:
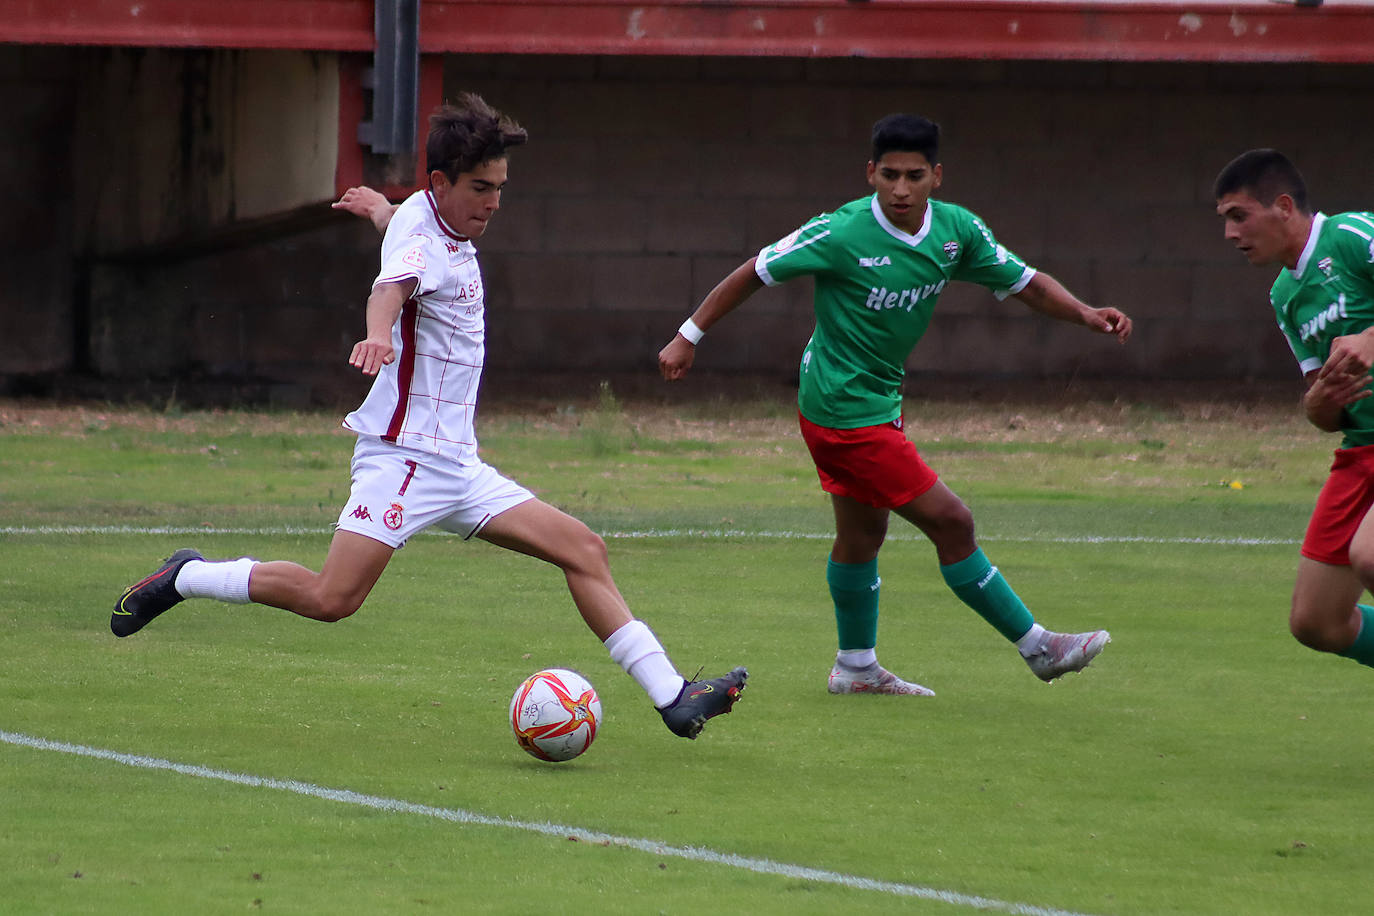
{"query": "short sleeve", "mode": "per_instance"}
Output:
(802, 252)
(988, 263)
(410, 251)
(1354, 242)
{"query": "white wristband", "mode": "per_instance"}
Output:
(690, 331)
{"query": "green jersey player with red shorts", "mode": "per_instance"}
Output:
(879, 265)
(1324, 301)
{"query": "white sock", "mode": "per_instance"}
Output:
(226, 580)
(635, 648)
(1033, 641)
(857, 658)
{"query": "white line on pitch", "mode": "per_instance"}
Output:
(459, 816)
(648, 533)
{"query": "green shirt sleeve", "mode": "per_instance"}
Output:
(988, 263)
(802, 252)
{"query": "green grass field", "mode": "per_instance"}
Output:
(1204, 764)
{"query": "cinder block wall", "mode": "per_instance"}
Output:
(37, 95)
(647, 179)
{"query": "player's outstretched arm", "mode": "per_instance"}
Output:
(676, 358)
(1048, 296)
(383, 308)
(369, 204)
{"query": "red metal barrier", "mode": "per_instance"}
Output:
(1199, 30)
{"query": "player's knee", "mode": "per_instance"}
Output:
(333, 609)
(867, 540)
(954, 523)
(1313, 631)
(587, 550)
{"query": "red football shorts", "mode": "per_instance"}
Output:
(875, 465)
(1342, 504)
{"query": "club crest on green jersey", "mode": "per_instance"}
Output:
(787, 241)
(951, 249)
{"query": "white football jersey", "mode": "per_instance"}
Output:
(425, 399)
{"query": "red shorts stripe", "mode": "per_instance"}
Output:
(875, 465)
(1344, 501)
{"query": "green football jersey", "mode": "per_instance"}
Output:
(876, 286)
(1329, 294)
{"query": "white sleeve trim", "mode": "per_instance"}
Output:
(1021, 283)
(400, 278)
(761, 267)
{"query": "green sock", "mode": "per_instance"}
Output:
(854, 589)
(979, 585)
(1362, 649)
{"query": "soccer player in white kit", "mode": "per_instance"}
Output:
(416, 463)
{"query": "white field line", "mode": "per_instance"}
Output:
(649, 533)
(459, 816)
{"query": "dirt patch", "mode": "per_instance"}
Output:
(715, 407)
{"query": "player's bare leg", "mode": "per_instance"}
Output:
(351, 568)
(539, 530)
(1324, 615)
(945, 520)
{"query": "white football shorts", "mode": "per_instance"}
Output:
(400, 491)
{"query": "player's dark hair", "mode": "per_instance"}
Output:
(906, 133)
(464, 135)
(1264, 174)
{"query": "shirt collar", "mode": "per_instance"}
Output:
(1307, 250)
(901, 234)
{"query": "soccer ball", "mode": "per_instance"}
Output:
(555, 714)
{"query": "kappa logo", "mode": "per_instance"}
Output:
(392, 517)
(415, 258)
(361, 513)
(883, 261)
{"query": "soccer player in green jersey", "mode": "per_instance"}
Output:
(879, 265)
(1324, 301)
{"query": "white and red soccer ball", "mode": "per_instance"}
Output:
(555, 714)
